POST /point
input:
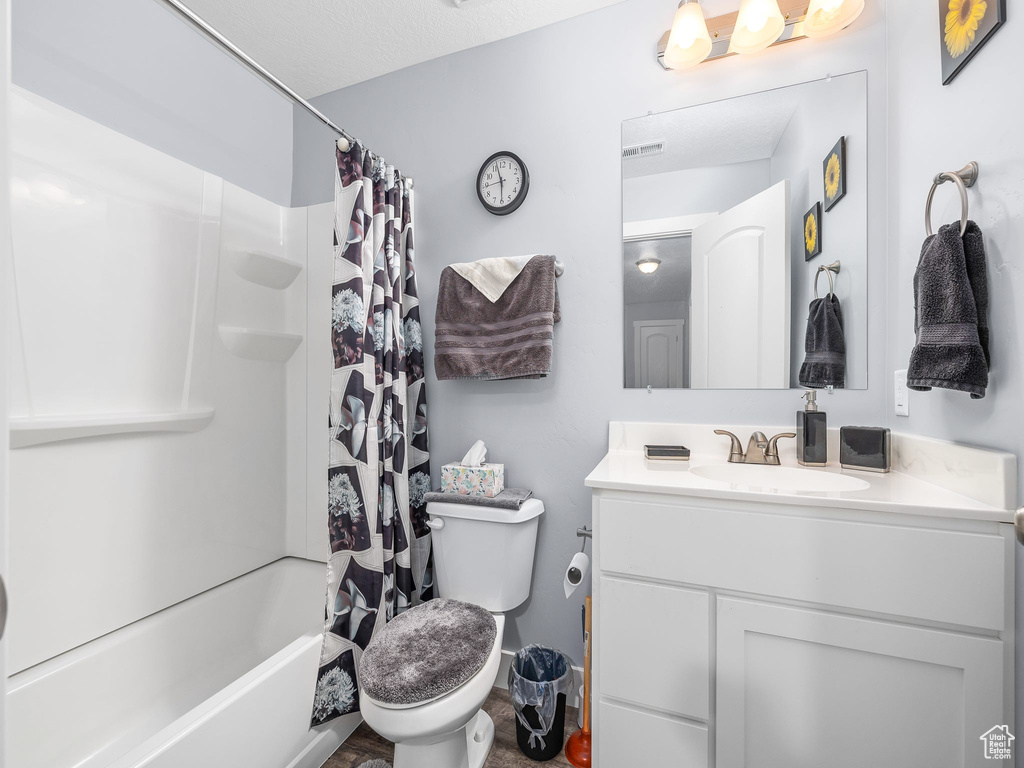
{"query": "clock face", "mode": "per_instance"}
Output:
(502, 183)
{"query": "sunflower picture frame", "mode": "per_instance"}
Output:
(812, 232)
(964, 27)
(833, 169)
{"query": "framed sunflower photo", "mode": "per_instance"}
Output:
(834, 169)
(964, 27)
(812, 232)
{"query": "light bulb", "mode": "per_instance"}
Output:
(826, 17)
(758, 24)
(648, 265)
(689, 42)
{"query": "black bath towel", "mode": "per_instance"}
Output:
(825, 345)
(951, 309)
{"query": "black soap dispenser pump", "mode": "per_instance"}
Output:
(811, 433)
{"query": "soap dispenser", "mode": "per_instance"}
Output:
(811, 433)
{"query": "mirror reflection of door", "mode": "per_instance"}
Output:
(688, 175)
(657, 311)
(741, 295)
(659, 353)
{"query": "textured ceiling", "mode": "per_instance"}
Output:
(317, 46)
(670, 282)
(722, 132)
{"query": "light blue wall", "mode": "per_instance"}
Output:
(557, 97)
(978, 122)
(133, 66)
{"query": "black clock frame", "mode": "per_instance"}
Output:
(514, 205)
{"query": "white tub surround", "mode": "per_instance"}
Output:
(186, 461)
(868, 625)
(222, 679)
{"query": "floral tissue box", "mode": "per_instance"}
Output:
(486, 480)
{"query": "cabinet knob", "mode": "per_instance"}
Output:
(1018, 524)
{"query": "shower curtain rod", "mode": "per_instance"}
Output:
(347, 140)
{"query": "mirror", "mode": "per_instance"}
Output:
(719, 259)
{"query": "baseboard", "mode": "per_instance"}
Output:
(501, 679)
(327, 741)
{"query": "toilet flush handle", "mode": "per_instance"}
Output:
(436, 523)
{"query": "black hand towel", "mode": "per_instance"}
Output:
(951, 305)
(825, 346)
(977, 273)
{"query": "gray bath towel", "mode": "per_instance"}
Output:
(510, 338)
(510, 498)
(825, 345)
(951, 299)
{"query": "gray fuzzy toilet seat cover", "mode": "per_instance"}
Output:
(427, 652)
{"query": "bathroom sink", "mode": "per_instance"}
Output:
(760, 477)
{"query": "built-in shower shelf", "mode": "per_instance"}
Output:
(52, 429)
(260, 345)
(264, 269)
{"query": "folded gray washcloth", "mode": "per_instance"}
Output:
(951, 300)
(511, 338)
(825, 345)
(510, 498)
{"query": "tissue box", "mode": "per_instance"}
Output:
(486, 480)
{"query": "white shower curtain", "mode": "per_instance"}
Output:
(379, 461)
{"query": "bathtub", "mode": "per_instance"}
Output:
(223, 679)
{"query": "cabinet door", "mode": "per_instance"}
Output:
(628, 738)
(798, 688)
(654, 646)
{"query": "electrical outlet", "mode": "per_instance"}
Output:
(902, 394)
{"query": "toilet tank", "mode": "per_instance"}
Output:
(484, 555)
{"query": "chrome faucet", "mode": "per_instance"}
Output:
(760, 450)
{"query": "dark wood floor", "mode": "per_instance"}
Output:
(365, 745)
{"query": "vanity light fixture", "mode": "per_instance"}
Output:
(825, 17)
(757, 25)
(689, 42)
(648, 264)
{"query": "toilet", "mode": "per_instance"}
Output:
(482, 556)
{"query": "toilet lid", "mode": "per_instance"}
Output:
(426, 652)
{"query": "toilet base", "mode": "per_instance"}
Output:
(467, 747)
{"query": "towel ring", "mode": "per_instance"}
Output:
(964, 178)
(828, 269)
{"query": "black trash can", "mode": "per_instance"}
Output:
(538, 681)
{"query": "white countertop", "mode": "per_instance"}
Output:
(988, 476)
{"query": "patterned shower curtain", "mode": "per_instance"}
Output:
(380, 562)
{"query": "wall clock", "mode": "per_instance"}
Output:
(502, 183)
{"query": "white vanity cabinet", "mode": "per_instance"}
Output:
(739, 633)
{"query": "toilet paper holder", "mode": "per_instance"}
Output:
(579, 566)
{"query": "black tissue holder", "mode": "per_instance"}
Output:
(865, 448)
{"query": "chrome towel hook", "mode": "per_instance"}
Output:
(828, 269)
(964, 178)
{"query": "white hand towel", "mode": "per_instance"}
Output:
(492, 276)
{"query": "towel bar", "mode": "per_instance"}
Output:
(559, 268)
(964, 178)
